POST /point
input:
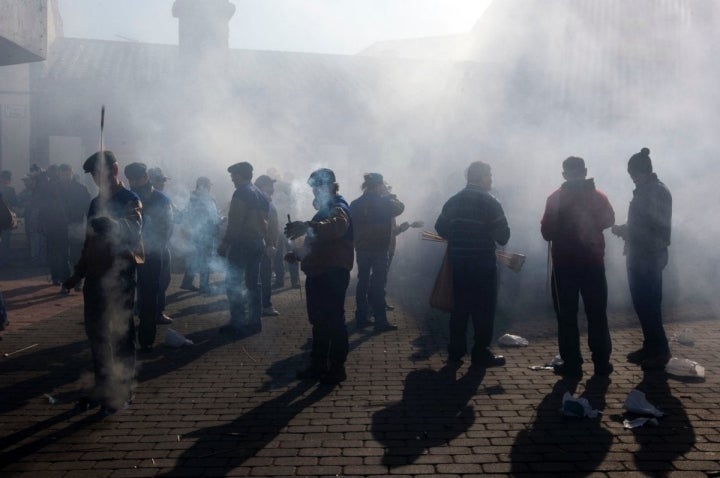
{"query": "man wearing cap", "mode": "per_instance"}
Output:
(244, 246)
(575, 217)
(267, 186)
(113, 248)
(158, 180)
(326, 259)
(372, 215)
(647, 238)
(156, 230)
(473, 222)
(202, 220)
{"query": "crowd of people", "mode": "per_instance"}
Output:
(119, 245)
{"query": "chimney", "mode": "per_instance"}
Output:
(203, 32)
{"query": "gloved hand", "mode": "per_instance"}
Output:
(102, 225)
(619, 231)
(295, 229)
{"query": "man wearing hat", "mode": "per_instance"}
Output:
(266, 184)
(647, 238)
(113, 248)
(372, 215)
(244, 246)
(158, 180)
(202, 220)
(473, 222)
(575, 217)
(327, 260)
(156, 230)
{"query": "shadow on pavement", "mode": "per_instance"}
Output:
(434, 409)
(225, 447)
(559, 444)
(672, 438)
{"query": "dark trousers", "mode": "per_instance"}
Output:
(110, 330)
(326, 312)
(475, 295)
(645, 280)
(58, 251)
(165, 267)
(370, 290)
(242, 282)
(265, 280)
(148, 292)
(279, 265)
(568, 284)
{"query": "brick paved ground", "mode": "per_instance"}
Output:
(233, 408)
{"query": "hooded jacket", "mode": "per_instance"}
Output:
(649, 216)
(575, 217)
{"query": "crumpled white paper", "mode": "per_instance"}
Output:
(509, 340)
(173, 338)
(685, 337)
(684, 368)
(637, 403)
(550, 365)
(640, 421)
(577, 407)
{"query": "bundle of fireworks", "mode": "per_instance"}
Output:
(512, 260)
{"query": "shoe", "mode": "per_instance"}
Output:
(189, 287)
(384, 327)
(336, 374)
(655, 362)
(269, 312)
(312, 372)
(567, 371)
(636, 356)
(490, 360)
(86, 403)
(604, 370)
(389, 307)
(163, 320)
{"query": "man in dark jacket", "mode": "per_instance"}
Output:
(575, 217)
(327, 260)
(156, 230)
(372, 215)
(647, 237)
(113, 248)
(473, 222)
(244, 246)
(76, 199)
(266, 185)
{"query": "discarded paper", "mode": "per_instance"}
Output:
(685, 368)
(577, 407)
(173, 338)
(640, 421)
(509, 340)
(637, 403)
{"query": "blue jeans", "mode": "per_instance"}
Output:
(242, 282)
(370, 291)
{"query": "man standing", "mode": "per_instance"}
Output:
(158, 180)
(202, 220)
(267, 186)
(77, 199)
(326, 260)
(373, 215)
(244, 246)
(11, 200)
(473, 221)
(156, 230)
(112, 250)
(647, 237)
(574, 220)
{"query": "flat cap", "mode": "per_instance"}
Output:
(135, 170)
(91, 164)
(244, 169)
(264, 180)
(157, 175)
(321, 177)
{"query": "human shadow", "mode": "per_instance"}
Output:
(202, 309)
(434, 409)
(9, 456)
(12, 293)
(672, 438)
(282, 372)
(20, 302)
(553, 443)
(224, 447)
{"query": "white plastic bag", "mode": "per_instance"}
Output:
(637, 403)
(685, 337)
(173, 338)
(512, 341)
(684, 368)
(577, 407)
(640, 421)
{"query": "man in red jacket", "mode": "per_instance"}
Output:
(574, 220)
